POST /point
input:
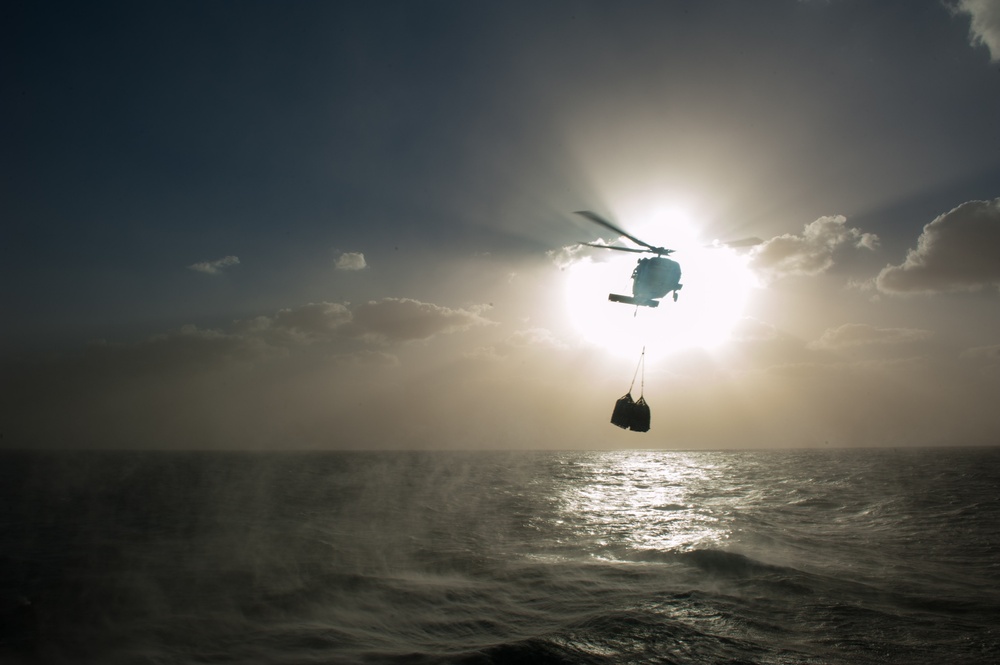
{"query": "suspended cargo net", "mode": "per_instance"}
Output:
(633, 414)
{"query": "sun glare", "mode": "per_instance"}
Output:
(717, 283)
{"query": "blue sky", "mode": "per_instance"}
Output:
(350, 224)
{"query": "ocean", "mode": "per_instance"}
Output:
(825, 557)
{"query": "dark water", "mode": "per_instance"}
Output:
(584, 557)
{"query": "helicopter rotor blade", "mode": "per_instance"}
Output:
(620, 249)
(597, 219)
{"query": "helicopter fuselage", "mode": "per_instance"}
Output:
(652, 278)
(655, 277)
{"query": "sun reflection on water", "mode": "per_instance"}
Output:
(635, 503)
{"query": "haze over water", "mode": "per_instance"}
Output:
(848, 556)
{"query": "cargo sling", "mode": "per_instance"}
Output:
(629, 414)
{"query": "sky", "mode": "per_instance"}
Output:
(350, 225)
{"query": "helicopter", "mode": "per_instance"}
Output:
(653, 277)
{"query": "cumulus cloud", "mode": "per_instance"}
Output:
(955, 252)
(860, 334)
(305, 324)
(314, 319)
(566, 256)
(984, 28)
(404, 319)
(812, 252)
(215, 267)
(351, 261)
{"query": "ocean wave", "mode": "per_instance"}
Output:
(560, 558)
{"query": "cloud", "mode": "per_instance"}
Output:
(199, 347)
(351, 261)
(810, 253)
(305, 324)
(955, 252)
(751, 329)
(984, 28)
(382, 321)
(991, 352)
(986, 357)
(215, 267)
(531, 337)
(315, 318)
(365, 358)
(566, 256)
(860, 334)
(186, 350)
(287, 376)
(528, 339)
(192, 350)
(404, 319)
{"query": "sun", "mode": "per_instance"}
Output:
(717, 284)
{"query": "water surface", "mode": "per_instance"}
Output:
(557, 557)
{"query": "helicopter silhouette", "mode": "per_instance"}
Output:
(653, 277)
